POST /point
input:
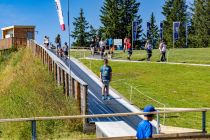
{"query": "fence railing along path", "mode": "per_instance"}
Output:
(34, 119)
(73, 86)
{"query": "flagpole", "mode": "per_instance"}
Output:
(69, 34)
(173, 35)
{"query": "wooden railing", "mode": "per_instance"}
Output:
(15, 42)
(72, 85)
(6, 43)
(34, 119)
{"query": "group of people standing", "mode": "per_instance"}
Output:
(162, 48)
(102, 45)
(60, 51)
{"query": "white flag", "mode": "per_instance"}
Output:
(60, 14)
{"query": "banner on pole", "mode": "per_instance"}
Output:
(135, 30)
(176, 26)
(161, 31)
(148, 29)
(60, 14)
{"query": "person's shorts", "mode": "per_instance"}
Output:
(130, 52)
(66, 53)
(105, 83)
(58, 46)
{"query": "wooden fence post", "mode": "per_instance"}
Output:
(55, 71)
(66, 84)
(58, 76)
(72, 87)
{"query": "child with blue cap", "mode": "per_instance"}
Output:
(144, 130)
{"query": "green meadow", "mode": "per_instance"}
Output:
(177, 86)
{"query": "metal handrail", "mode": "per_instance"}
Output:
(100, 115)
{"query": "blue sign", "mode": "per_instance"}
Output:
(148, 29)
(161, 31)
(176, 26)
(135, 30)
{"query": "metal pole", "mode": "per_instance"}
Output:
(158, 124)
(173, 35)
(69, 32)
(132, 34)
(186, 35)
(204, 121)
(33, 131)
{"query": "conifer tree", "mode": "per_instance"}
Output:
(200, 24)
(110, 18)
(174, 10)
(117, 16)
(80, 33)
(154, 32)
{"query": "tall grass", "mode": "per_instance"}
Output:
(28, 90)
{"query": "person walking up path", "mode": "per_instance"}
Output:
(102, 45)
(162, 48)
(65, 50)
(106, 77)
(148, 48)
(46, 41)
(58, 43)
(129, 47)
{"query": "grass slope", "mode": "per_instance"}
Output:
(189, 55)
(173, 85)
(28, 90)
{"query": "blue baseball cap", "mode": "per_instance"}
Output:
(149, 108)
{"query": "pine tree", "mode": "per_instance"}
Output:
(130, 14)
(200, 24)
(154, 33)
(110, 18)
(80, 30)
(174, 10)
(117, 16)
(92, 32)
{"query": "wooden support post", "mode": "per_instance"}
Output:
(55, 71)
(66, 84)
(62, 76)
(59, 75)
(43, 56)
(77, 91)
(53, 67)
(72, 91)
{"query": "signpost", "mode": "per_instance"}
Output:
(135, 25)
(161, 31)
(176, 26)
(148, 29)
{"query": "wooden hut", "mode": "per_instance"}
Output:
(16, 36)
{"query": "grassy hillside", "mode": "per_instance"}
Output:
(28, 90)
(189, 55)
(173, 85)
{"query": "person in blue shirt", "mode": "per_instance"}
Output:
(106, 77)
(144, 130)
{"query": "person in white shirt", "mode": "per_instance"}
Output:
(162, 48)
(46, 41)
(102, 45)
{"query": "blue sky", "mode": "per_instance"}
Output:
(42, 14)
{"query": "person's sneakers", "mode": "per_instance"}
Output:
(103, 97)
(108, 97)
